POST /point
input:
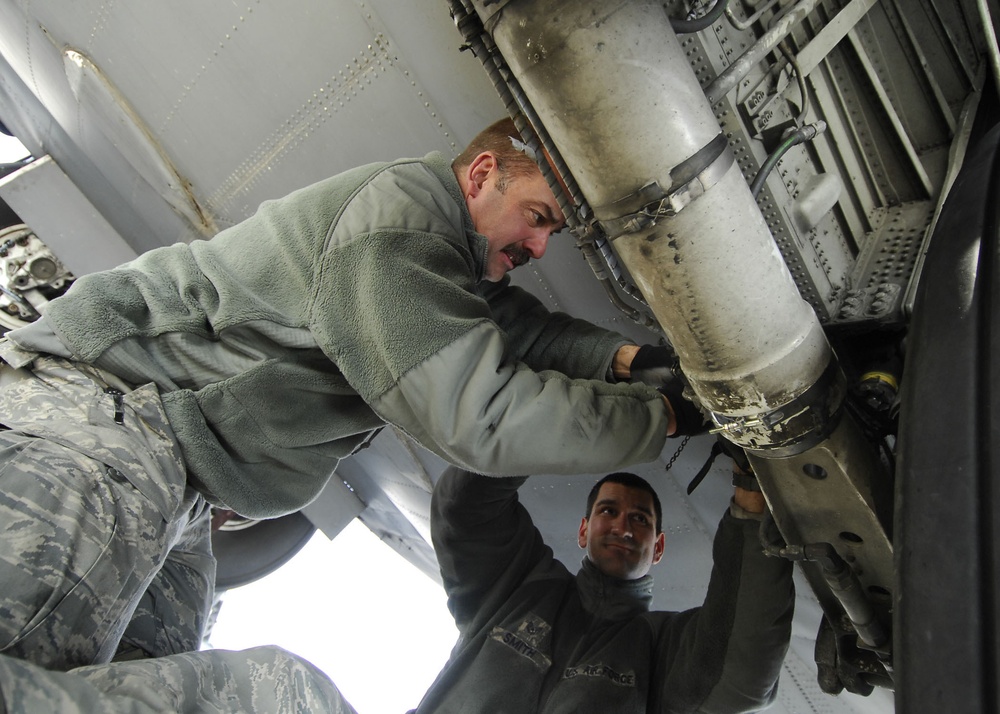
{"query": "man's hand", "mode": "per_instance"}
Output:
(649, 364)
(687, 418)
(654, 365)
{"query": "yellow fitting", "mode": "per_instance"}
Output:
(881, 377)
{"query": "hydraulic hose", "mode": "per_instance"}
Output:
(685, 27)
(595, 248)
(729, 78)
(743, 25)
(798, 136)
(843, 582)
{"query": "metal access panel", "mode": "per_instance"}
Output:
(198, 112)
(891, 81)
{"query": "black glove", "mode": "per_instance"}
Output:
(737, 454)
(653, 365)
(690, 420)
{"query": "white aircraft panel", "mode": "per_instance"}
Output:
(77, 232)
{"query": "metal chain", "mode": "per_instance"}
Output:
(678, 452)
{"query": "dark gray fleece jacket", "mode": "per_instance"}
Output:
(279, 345)
(535, 638)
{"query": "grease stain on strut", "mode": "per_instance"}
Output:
(646, 247)
(673, 246)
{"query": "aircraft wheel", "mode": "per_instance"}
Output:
(247, 550)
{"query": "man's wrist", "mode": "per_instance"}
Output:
(749, 501)
(747, 505)
(671, 416)
(621, 363)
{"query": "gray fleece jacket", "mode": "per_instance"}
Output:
(279, 345)
(535, 638)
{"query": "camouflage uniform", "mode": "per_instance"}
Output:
(96, 518)
(172, 614)
(268, 680)
(100, 531)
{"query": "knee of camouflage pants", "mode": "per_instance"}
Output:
(172, 615)
(59, 520)
(264, 680)
(91, 502)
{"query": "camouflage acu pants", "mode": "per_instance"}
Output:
(265, 680)
(95, 519)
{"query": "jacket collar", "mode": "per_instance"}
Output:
(478, 243)
(613, 598)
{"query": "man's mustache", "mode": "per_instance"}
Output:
(518, 255)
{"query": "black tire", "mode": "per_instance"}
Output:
(946, 610)
(250, 553)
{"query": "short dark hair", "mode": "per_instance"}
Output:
(631, 481)
(512, 162)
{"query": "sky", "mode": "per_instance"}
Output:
(356, 609)
(11, 149)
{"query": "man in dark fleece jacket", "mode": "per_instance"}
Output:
(536, 638)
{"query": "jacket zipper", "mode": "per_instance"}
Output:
(118, 397)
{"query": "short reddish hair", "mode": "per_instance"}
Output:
(499, 139)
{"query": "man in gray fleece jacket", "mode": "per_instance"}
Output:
(239, 370)
(533, 637)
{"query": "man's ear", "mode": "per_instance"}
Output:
(658, 548)
(582, 537)
(479, 170)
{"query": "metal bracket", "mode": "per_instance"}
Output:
(689, 179)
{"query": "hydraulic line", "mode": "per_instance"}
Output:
(800, 80)
(748, 23)
(844, 584)
(991, 38)
(594, 246)
(734, 73)
(794, 138)
(685, 27)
